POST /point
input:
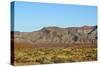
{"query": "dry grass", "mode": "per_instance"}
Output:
(23, 56)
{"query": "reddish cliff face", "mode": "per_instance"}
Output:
(87, 27)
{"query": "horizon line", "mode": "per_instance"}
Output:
(54, 26)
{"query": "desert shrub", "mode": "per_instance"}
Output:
(43, 60)
(57, 59)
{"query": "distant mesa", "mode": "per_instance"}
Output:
(87, 27)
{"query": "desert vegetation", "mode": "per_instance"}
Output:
(24, 56)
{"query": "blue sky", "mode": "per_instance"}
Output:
(34, 16)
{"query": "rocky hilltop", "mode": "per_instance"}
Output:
(85, 34)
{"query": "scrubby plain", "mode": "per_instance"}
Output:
(23, 56)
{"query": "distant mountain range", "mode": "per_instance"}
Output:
(84, 34)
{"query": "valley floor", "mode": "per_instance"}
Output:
(23, 56)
